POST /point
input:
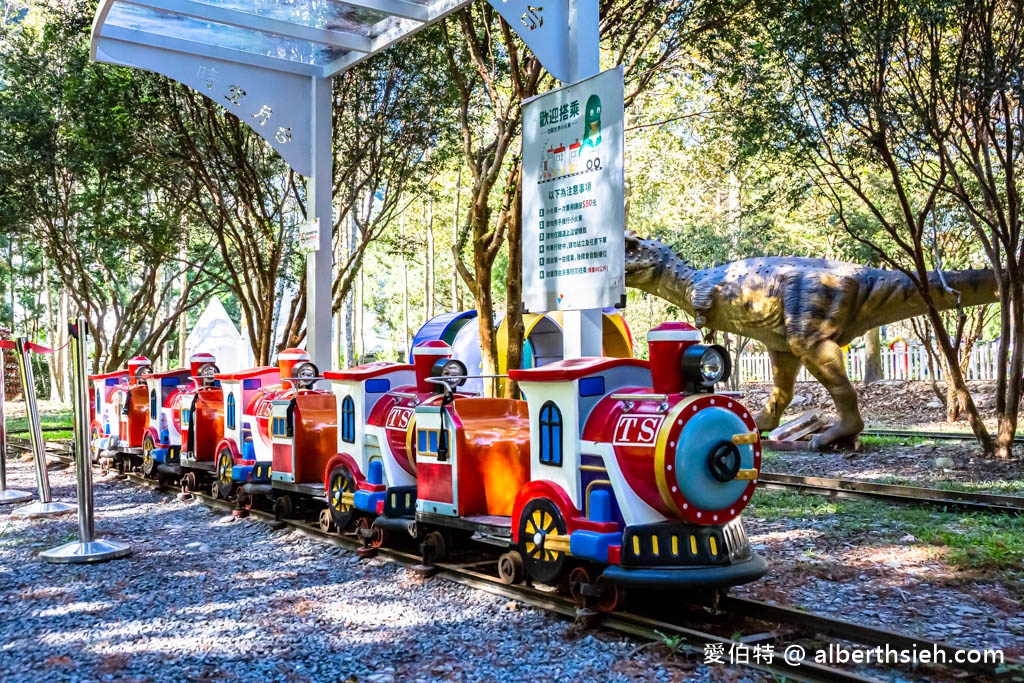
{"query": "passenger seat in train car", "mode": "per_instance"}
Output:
(493, 454)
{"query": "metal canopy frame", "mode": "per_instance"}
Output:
(270, 62)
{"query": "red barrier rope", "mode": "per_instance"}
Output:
(35, 348)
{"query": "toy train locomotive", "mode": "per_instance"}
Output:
(612, 472)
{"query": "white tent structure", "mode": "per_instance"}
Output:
(270, 62)
(215, 333)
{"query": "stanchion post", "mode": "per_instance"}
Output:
(44, 507)
(7, 496)
(88, 548)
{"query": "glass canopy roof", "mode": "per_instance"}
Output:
(308, 37)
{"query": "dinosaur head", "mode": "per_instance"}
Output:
(643, 260)
(647, 260)
(653, 267)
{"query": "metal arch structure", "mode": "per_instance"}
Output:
(270, 62)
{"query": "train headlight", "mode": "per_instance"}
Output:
(207, 372)
(452, 371)
(305, 373)
(705, 366)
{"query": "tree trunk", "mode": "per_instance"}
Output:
(360, 318)
(872, 356)
(1007, 409)
(63, 357)
(456, 303)
(406, 334)
(485, 319)
(514, 291)
(428, 296)
(53, 335)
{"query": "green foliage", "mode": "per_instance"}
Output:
(974, 541)
(86, 188)
(674, 643)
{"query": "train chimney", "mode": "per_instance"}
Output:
(138, 366)
(288, 359)
(666, 343)
(424, 355)
(197, 362)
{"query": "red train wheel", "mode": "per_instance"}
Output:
(612, 596)
(578, 578)
(540, 519)
(339, 483)
(94, 449)
(148, 464)
(225, 484)
(378, 537)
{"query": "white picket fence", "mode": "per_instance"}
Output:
(908, 364)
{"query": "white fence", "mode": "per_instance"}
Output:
(910, 363)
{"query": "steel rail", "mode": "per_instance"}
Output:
(641, 626)
(906, 495)
(59, 451)
(848, 630)
(917, 434)
(644, 627)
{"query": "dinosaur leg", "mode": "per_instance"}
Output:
(785, 367)
(825, 361)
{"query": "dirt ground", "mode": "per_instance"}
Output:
(888, 404)
(897, 405)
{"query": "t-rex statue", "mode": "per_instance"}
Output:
(802, 309)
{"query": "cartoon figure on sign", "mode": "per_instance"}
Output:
(592, 122)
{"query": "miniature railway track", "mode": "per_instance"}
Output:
(892, 493)
(468, 575)
(937, 436)
(793, 625)
(800, 625)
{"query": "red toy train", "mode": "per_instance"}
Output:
(612, 472)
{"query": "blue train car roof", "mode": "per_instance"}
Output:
(443, 327)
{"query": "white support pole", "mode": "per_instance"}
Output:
(320, 263)
(88, 548)
(6, 495)
(45, 506)
(581, 330)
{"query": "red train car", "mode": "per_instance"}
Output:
(374, 470)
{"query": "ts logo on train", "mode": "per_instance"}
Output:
(637, 430)
(398, 418)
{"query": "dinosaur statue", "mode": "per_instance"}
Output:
(802, 309)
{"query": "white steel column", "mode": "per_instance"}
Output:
(582, 330)
(319, 205)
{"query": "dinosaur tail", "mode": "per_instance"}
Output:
(974, 287)
(901, 299)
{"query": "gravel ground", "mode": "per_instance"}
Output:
(207, 597)
(884, 580)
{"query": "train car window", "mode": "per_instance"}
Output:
(591, 386)
(378, 386)
(551, 434)
(230, 418)
(99, 400)
(152, 404)
(348, 420)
